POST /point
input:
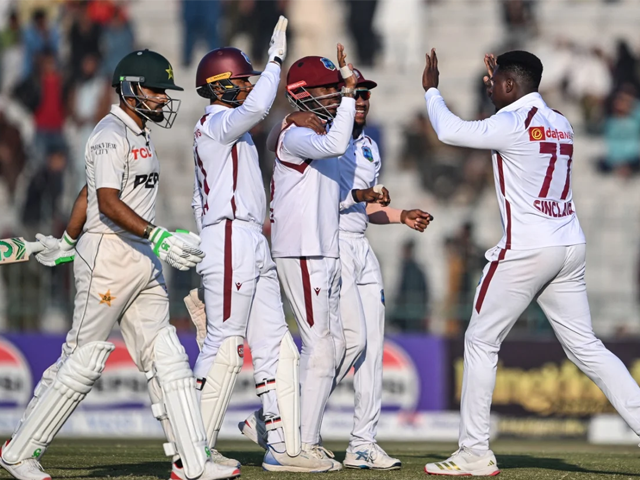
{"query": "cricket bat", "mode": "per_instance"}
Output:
(13, 250)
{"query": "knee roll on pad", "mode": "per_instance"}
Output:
(179, 402)
(73, 381)
(217, 387)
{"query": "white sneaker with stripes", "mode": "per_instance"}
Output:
(464, 463)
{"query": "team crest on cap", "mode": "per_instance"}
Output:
(328, 64)
(245, 56)
(169, 72)
(368, 154)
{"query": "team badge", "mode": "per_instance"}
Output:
(245, 57)
(536, 134)
(328, 64)
(368, 154)
(169, 72)
(106, 298)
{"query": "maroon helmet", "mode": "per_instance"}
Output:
(219, 67)
(310, 72)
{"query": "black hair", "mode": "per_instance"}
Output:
(39, 14)
(523, 65)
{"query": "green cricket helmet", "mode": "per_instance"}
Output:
(144, 68)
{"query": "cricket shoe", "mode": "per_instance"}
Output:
(318, 451)
(29, 469)
(212, 471)
(255, 429)
(464, 463)
(304, 462)
(370, 456)
(220, 459)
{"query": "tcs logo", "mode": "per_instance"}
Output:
(149, 181)
(144, 152)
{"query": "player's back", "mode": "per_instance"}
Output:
(532, 174)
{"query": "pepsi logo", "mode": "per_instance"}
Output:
(16, 385)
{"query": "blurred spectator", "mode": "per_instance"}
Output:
(465, 260)
(625, 67)
(200, 22)
(622, 135)
(519, 18)
(38, 37)
(12, 154)
(102, 12)
(590, 84)
(11, 53)
(42, 205)
(89, 100)
(84, 39)
(360, 24)
(412, 300)
(117, 41)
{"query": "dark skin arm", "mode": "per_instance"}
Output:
(78, 215)
(119, 212)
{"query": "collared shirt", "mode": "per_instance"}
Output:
(359, 169)
(228, 182)
(532, 150)
(119, 154)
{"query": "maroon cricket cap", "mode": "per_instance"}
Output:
(362, 82)
(312, 72)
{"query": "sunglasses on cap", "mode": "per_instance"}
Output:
(363, 93)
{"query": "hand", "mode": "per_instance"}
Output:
(491, 64)
(179, 249)
(278, 44)
(416, 219)
(351, 81)
(370, 195)
(56, 251)
(308, 120)
(430, 76)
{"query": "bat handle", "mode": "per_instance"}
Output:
(34, 247)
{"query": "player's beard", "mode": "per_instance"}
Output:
(156, 116)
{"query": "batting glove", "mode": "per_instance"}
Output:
(195, 307)
(56, 251)
(278, 44)
(179, 249)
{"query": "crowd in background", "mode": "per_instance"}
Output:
(56, 61)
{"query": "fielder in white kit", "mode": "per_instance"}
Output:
(241, 288)
(541, 255)
(305, 210)
(119, 278)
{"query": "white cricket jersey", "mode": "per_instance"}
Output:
(305, 189)
(120, 155)
(228, 181)
(359, 169)
(532, 150)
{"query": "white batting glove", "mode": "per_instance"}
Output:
(278, 44)
(56, 251)
(179, 249)
(195, 307)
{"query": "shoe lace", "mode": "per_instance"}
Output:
(33, 464)
(325, 452)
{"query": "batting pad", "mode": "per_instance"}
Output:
(218, 386)
(73, 381)
(179, 403)
(288, 394)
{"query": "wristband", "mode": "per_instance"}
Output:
(68, 240)
(346, 72)
(348, 92)
(354, 195)
(147, 231)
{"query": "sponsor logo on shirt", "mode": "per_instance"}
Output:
(144, 152)
(149, 181)
(554, 209)
(102, 148)
(536, 134)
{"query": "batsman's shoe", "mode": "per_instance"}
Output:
(318, 451)
(220, 459)
(370, 456)
(275, 461)
(255, 429)
(464, 463)
(29, 469)
(212, 471)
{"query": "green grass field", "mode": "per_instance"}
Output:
(138, 460)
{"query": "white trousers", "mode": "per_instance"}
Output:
(312, 286)
(362, 310)
(242, 298)
(554, 276)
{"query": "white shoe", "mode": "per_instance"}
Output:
(370, 456)
(318, 451)
(464, 463)
(29, 469)
(304, 462)
(220, 459)
(254, 428)
(212, 471)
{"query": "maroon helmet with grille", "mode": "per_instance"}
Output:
(310, 72)
(219, 67)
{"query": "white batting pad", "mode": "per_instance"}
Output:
(288, 394)
(218, 386)
(179, 402)
(73, 381)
